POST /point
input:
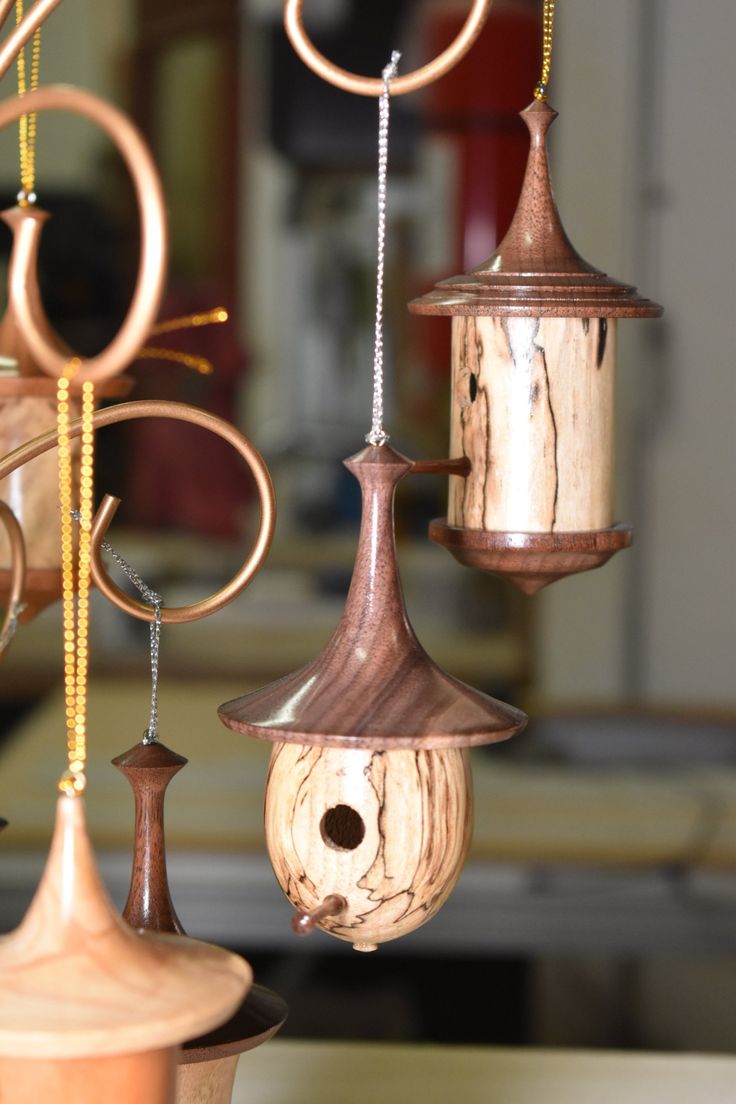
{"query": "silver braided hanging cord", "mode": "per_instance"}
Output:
(378, 435)
(156, 601)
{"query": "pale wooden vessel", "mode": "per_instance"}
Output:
(90, 1010)
(368, 800)
(387, 830)
(533, 375)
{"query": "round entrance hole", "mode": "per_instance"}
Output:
(342, 828)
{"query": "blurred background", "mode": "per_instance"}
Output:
(599, 904)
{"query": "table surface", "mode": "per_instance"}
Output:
(525, 812)
(332, 1073)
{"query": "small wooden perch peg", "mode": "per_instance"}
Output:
(304, 921)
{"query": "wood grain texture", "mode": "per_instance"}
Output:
(533, 410)
(206, 1082)
(531, 560)
(536, 272)
(213, 1057)
(147, 1078)
(77, 982)
(416, 813)
(373, 686)
(149, 768)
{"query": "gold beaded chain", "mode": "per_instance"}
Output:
(27, 123)
(76, 622)
(548, 19)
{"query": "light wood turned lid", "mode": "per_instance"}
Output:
(374, 686)
(536, 271)
(76, 981)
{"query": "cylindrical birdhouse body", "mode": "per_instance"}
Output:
(533, 365)
(532, 409)
(387, 830)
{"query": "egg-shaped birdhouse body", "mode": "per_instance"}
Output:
(533, 373)
(387, 830)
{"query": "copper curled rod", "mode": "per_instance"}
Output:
(304, 921)
(21, 33)
(17, 575)
(144, 306)
(156, 408)
(373, 86)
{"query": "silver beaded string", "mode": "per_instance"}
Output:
(378, 435)
(150, 736)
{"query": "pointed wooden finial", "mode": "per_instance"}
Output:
(536, 271)
(333, 701)
(77, 982)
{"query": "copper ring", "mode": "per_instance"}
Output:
(17, 567)
(155, 408)
(20, 34)
(146, 299)
(373, 86)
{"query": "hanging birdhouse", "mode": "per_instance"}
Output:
(28, 409)
(533, 368)
(89, 1007)
(369, 801)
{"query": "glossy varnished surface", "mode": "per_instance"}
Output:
(149, 768)
(396, 853)
(536, 271)
(533, 411)
(374, 686)
(77, 981)
(531, 560)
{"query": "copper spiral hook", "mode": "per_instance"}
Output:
(144, 305)
(21, 33)
(17, 575)
(373, 86)
(153, 408)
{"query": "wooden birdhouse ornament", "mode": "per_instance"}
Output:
(206, 1065)
(91, 1010)
(368, 801)
(533, 367)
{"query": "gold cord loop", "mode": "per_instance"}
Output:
(373, 86)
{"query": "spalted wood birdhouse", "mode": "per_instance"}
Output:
(369, 799)
(533, 370)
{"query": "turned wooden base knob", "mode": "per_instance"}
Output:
(531, 560)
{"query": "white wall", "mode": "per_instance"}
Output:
(645, 184)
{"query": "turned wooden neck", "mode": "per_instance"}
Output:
(149, 768)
